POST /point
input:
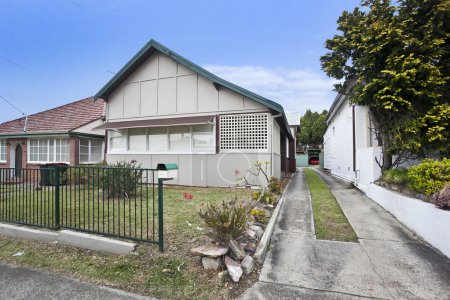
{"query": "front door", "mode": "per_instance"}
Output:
(18, 161)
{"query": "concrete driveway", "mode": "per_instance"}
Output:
(389, 262)
(23, 283)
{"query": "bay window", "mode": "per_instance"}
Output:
(48, 150)
(91, 151)
(172, 139)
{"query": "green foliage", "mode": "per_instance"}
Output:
(396, 176)
(430, 176)
(269, 198)
(259, 215)
(227, 221)
(256, 195)
(275, 185)
(442, 199)
(312, 128)
(394, 58)
(121, 179)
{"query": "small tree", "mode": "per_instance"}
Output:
(312, 129)
(397, 57)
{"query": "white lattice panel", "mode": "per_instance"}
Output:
(244, 132)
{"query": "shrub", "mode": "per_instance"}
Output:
(396, 176)
(269, 198)
(121, 179)
(259, 215)
(275, 185)
(430, 176)
(442, 199)
(227, 221)
(255, 195)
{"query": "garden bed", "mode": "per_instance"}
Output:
(172, 274)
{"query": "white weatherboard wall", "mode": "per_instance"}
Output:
(429, 222)
(163, 87)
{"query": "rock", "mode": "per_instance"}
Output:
(250, 233)
(250, 250)
(259, 224)
(258, 231)
(248, 264)
(234, 269)
(243, 245)
(209, 250)
(236, 251)
(267, 213)
(222, 274)
(210, 263)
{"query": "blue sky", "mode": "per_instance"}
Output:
(57, 51)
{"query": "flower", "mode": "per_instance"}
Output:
(188, 196)
(236, 172)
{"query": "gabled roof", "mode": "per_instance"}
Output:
(62, 119)
(153, 46)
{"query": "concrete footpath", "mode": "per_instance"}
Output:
(23, 283)
(389, 262)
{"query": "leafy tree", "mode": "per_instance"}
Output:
(312, 129)
(395, 59)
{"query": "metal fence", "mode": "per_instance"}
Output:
(116, 202)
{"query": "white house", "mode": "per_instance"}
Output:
(162, 108)
(350, 146)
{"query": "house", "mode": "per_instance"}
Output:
(162, 108)
(64, 134)
(350, 145)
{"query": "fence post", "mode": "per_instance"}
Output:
(160, 215)
(56, 170)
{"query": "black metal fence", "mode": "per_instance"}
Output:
(116, 202)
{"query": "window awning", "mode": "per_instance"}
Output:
(197, 120)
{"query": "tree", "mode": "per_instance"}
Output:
(312, 129)
(397, 58)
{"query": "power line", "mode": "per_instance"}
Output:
(12, 105)
(16, 64)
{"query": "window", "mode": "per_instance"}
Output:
(180, 139)
(203, 137)
(117, 140)
(172, 139)
(244, 132)
(2, 150)
(49, 150)
(137, 139)
(91, 151)
(157, 140)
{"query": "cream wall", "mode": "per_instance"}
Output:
(89, 128)
(201, 169)
(163, 87)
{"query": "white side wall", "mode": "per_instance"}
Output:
(163, 87)
(338, 144)
(429, 222)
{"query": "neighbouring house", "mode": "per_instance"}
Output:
(162, 108)
(350, 145)
(65, 134)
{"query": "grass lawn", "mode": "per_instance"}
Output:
(173, 274)
(329, 221)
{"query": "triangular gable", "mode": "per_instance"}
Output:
(153, 46)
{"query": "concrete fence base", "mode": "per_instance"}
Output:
(68, 237)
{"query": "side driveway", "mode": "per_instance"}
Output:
(389, 262)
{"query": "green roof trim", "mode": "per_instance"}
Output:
(153, 45)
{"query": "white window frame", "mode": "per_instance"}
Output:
(48, 153)
(147, 151)
(90, 162)
(3, 146)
